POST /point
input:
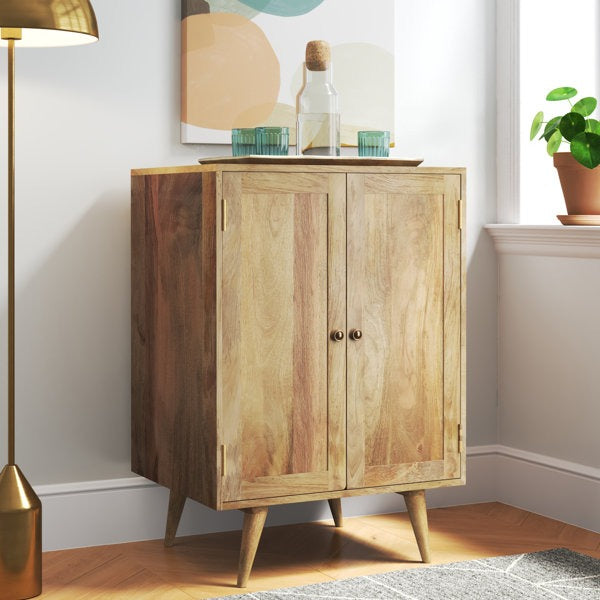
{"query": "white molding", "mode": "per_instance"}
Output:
(556, 464)
(104, 485)
(546, 240)
(92, 513)
(489, 450)
(556, 488)
(508, 110)
(551, 487)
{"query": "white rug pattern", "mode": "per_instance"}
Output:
(547, 575)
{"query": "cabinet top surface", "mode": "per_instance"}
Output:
(299, 164)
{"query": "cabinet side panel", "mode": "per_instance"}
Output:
(140, 306)
(173, 332)
(463, 319)
(452, 327)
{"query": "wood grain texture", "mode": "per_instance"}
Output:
(463, 322)
(349, 492)
(176, 504)
(266, 168)
(404, 183)
(337, 351)
(273, 183)
(239, 394)
(174, 351)
(419, 297)
(454, 451)
(417, 511)
(276, 410)
(254, 521)
(396, 297)
(282, 204)
(204, 566)
(231, 358)
(335, 505)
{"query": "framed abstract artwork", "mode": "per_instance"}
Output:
(242, 64)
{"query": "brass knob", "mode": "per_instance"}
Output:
(337, 336)
(356, 334)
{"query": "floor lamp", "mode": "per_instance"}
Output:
(27, 23)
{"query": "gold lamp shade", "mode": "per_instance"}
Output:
(50, 22)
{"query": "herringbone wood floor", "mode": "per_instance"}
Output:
(205, 566)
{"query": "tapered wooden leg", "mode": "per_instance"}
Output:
(176, 504)
(335, 504)
(254, 521)
(417, 511)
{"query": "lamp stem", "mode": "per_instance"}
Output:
(11, 251)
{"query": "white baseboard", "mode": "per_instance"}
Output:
(555, 488)
(94, 513)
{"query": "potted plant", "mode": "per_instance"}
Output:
(577, 168)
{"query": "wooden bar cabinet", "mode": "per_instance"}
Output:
(298, 333)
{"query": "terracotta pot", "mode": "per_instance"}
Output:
(580, 185)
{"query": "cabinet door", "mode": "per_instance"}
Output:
(404, 295)
(282, 407)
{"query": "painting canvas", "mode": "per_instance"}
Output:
(242, 64)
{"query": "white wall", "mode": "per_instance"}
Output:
(549, 325)
(549, 348)
(87, 115)
(548, 442)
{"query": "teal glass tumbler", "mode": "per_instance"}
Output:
(373, 143)
(243, 141)
(274, 141)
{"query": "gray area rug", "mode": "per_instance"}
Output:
(545, 575)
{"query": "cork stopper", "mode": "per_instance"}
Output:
(318, 55)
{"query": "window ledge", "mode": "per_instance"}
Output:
(546, 240)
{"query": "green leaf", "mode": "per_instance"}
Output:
(571, 124)
(536, 125)
(554, 142)
(561, 93)
(585, 148)
(551, 126)
(585, 106)
(592, 126)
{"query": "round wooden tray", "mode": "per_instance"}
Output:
(373, 161)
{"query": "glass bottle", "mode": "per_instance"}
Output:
(318, 123)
